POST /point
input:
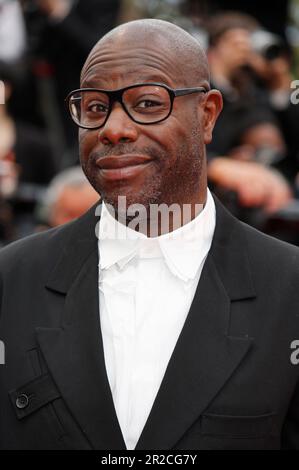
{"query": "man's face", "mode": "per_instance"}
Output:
(234, 49)
(167, 156)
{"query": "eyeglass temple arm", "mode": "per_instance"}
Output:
(188, 91)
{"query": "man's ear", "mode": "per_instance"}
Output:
(211, 109)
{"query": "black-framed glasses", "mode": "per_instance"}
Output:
(144, 103)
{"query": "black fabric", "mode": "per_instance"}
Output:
(230, 383)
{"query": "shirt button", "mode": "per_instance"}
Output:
(22, 401)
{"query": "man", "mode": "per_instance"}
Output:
(184, 340)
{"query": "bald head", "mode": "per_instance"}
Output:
(165, 38)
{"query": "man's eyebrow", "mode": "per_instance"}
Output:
(152, 78)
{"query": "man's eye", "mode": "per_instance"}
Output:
(97, 108)
(147, 104)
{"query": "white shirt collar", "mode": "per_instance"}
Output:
(183, 249)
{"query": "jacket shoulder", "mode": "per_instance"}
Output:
(35, 248)
(44, 247)
(268, 251)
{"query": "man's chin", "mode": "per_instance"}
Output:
(127, 205)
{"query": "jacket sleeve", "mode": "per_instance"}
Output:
(290, 432)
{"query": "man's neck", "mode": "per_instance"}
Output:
(159, 219)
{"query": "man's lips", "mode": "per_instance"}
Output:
(116, 167)
(121, 161)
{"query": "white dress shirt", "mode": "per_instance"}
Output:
(146, 287)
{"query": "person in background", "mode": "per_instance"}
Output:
(26, 160)
(248, 145)
(76, 24)
(68, 196)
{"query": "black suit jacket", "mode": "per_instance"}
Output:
(229, 384)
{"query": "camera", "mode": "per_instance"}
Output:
(267, 44)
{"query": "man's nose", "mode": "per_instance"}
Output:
(118, 128)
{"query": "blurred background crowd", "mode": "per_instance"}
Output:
(253, 50)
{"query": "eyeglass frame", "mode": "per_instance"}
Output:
(116, 96)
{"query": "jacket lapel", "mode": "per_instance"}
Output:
(205, 355)
(74, 353)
